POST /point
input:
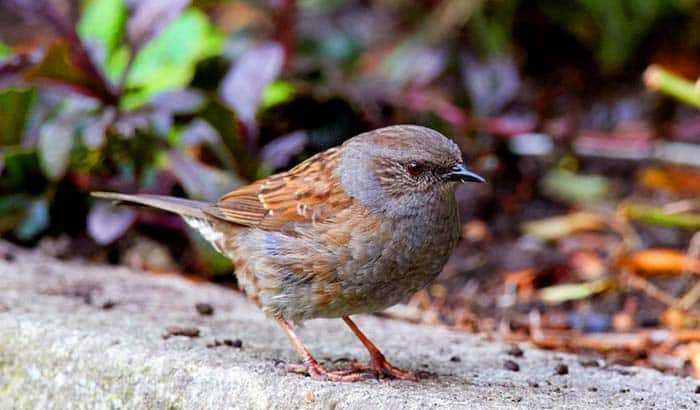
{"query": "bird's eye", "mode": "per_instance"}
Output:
(415, 168)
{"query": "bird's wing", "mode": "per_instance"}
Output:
(308, 192)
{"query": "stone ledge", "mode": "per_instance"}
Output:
(59, 351)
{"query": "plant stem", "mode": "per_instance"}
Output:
(659, 79)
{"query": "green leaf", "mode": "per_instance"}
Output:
(35, 220)
(557, 227)
(666, 82)
(571, 187)
(103, 20)
(657, 216)
(59, 66)
(573, 291)
(277, 92)
(55, 143)
(12, 211)
(14, 108)
(20, 167)
(168, 62)
(5, 52)
(235, 155)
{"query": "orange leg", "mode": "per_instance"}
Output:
(313, 368)
(378, 362)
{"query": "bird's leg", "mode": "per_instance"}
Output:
(378, 362)
(312, 367)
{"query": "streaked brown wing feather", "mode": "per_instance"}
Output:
(308, 192)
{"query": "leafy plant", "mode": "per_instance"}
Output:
(130, 114)
(613, 30)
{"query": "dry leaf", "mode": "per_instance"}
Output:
(653, 262)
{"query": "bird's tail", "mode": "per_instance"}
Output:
(183, 207)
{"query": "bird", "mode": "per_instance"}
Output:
(353, 229)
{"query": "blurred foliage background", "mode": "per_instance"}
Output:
(556, 103)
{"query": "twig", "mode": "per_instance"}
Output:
(692, 296)
(659, 79)
(649, 288)
(285, 28)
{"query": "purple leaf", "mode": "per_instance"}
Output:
(531, 144)
(491, 83)
(13, 70)
(94, 134)
(106, 222)
(415, 65)
(150, 17)
(243, 85)
(55, 144)
(161, 122)
(281, 150)
(199, 131)
(185, 101)
(201, 181)
(128, 123)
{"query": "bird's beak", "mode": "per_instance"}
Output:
(460, 173)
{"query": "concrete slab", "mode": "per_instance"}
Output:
(79, 336)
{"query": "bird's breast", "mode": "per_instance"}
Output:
(360, 262)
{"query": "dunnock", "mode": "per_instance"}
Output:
(354, 229)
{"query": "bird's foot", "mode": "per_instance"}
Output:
(381, 367)
(319, 373)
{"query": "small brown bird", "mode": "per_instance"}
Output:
(354, 229)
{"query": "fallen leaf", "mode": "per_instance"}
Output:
(573, 291)
(658, 216)
(653, 262)
(571, 187)
(560, 226)
(676, 179)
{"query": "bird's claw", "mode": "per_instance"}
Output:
(385, 369)
(317, 372)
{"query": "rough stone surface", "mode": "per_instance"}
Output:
(63, 346)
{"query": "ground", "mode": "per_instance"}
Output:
(81, 336)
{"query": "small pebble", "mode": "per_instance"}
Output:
(108, 305)
(624, 390)
(515, 351)
(533, 384)
(455, 359)
(309, 397)
(592, 389)
(589, 363)
(561, 369)
(180, 331)
(511, 365)
(697, 389)
(234, 343)
(204, 309)
(216, 343)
